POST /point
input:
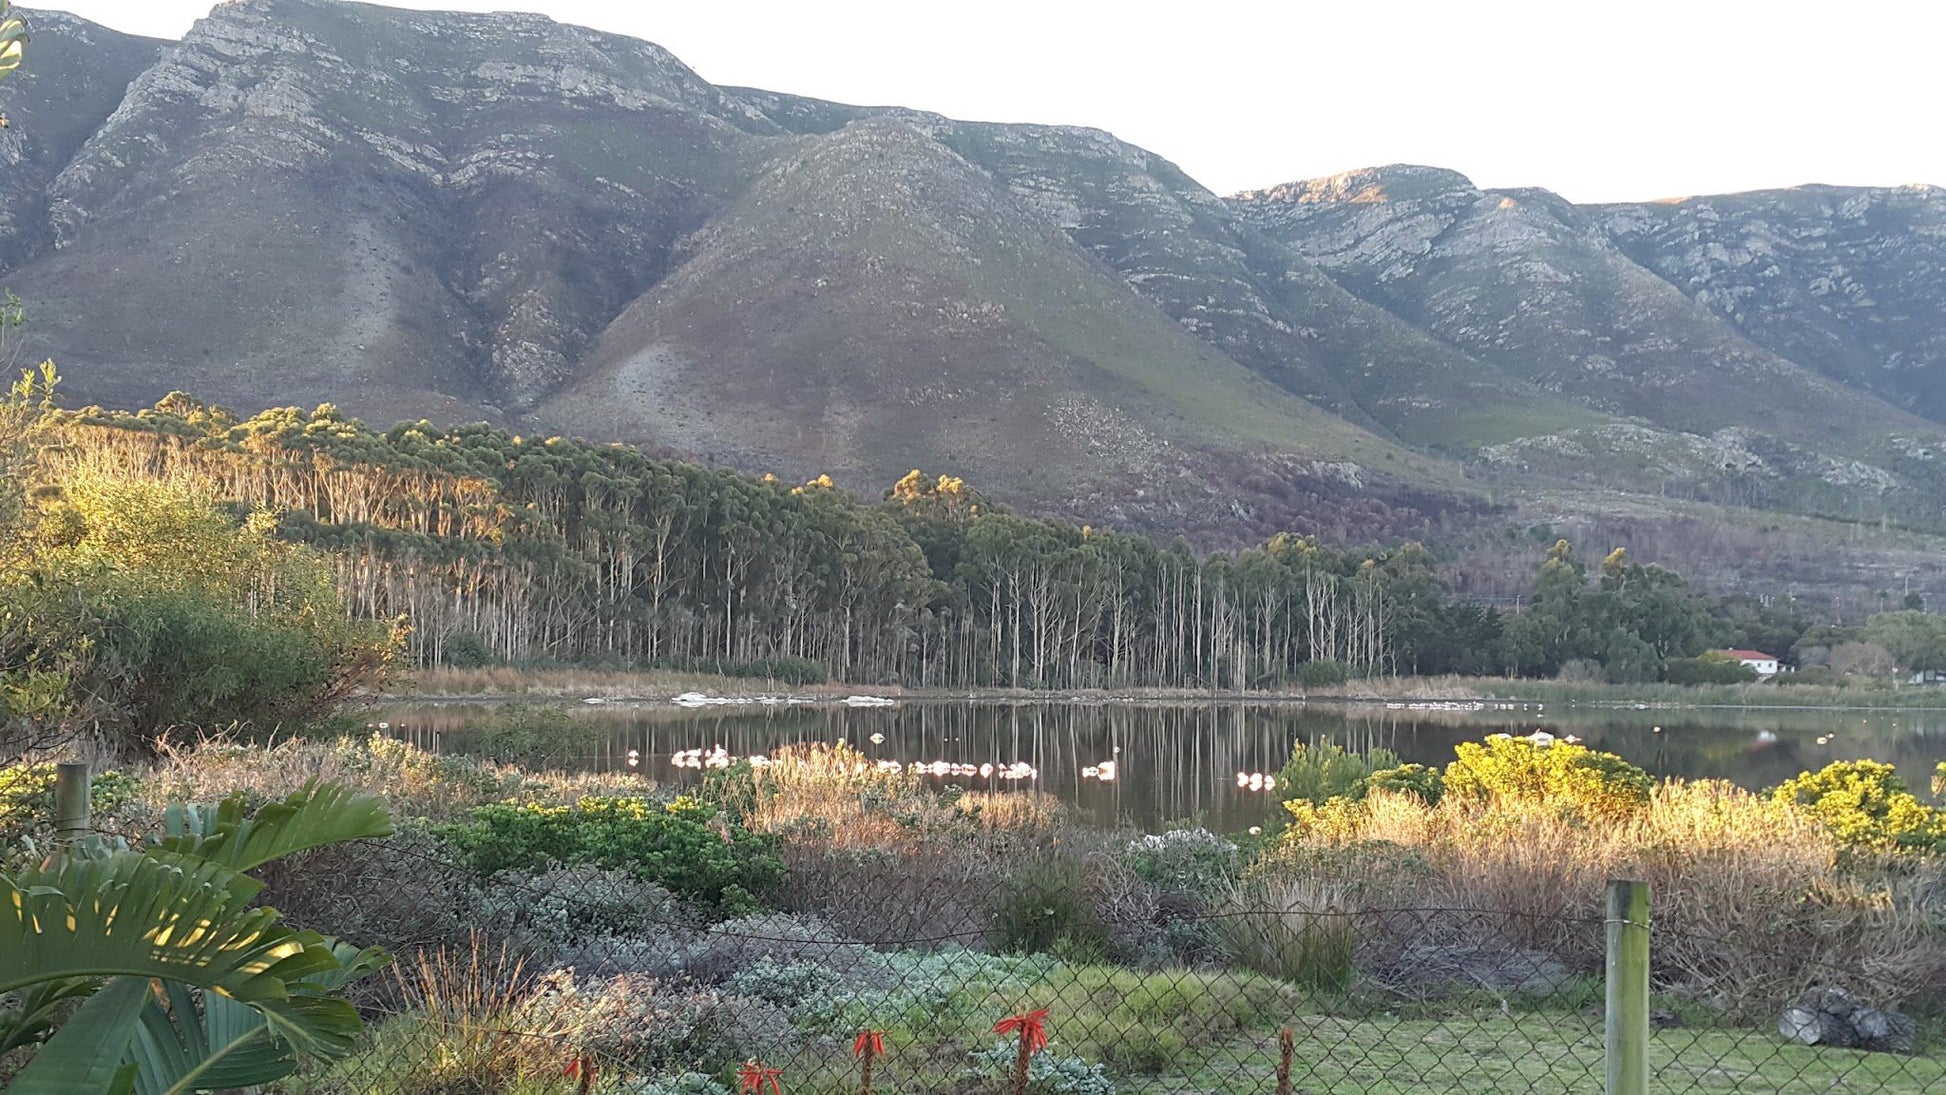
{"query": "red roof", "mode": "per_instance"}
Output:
(1751, 655)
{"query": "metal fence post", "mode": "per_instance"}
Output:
(1627, 1026)
(72, 810)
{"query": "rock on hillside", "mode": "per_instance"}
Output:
(79, 75)
(1848, 281)
(1546, 291)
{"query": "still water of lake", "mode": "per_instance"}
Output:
(1180, 763)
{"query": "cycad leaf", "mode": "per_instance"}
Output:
(315, 815)
(85, 1056)
(226, 1045)
(161, 916)
(31, 1019)
(217, 1047)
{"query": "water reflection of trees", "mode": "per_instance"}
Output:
(1179, 762)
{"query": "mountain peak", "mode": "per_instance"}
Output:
(1391, 182)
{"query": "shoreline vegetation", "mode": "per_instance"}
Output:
(508, 684)
(774, 911)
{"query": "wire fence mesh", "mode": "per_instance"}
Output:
(589, 980)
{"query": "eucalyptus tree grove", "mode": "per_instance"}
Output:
(562, 550)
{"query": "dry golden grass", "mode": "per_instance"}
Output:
(833, 795)
(416, 783)
(883, 855)
(1751, 897)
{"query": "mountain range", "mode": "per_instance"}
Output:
(459, 217)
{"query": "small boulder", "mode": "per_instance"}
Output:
(1830, 1016)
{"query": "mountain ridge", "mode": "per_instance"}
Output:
(453, 216)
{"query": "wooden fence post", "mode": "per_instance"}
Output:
(71, 807)
(1627, 1026)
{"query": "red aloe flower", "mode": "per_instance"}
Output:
(752, 1077)
(869, 1045)
(581, 1070)
(1032, 1027)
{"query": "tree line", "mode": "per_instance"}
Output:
(502, 547)
(471, 544)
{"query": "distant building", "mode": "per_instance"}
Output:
(1764, 665)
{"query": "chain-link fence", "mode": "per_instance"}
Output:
(587, 980)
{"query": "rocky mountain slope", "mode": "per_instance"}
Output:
(497, 216)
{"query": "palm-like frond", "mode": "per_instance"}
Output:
(313, 816)
(183, 1048)
(166, 917)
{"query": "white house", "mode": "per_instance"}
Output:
(1765, 665)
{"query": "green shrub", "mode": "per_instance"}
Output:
(1322, 673)
(1046, 909)
(1418, 780)
(786, 984)
(682, 846)
(1193, 862)
(466, 651)
(27, 796)
(154, 608)
(1710, 668)
(1547, 772)
(1300, 930)
(1866, 805)
(1140, 1049)
(1323, 770)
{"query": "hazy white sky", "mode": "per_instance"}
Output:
(1596, 99)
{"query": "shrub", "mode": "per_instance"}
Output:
(1046, 908)
(1049, 1073)
(1581, 671)
(723, 950)
(1194, 862)
(1547, 772)
(786, 984)
(399, 893)
(154, 607)
(1324, 770)
(1713, 667)
(555, 911)
(1418, 780)
(681, 846)
(1299, 930)
(1322, 673)
(682, 1083)
(1140, 1048)
(640, 1022)
(27, 796)
(1867, 806)
(466, 651)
